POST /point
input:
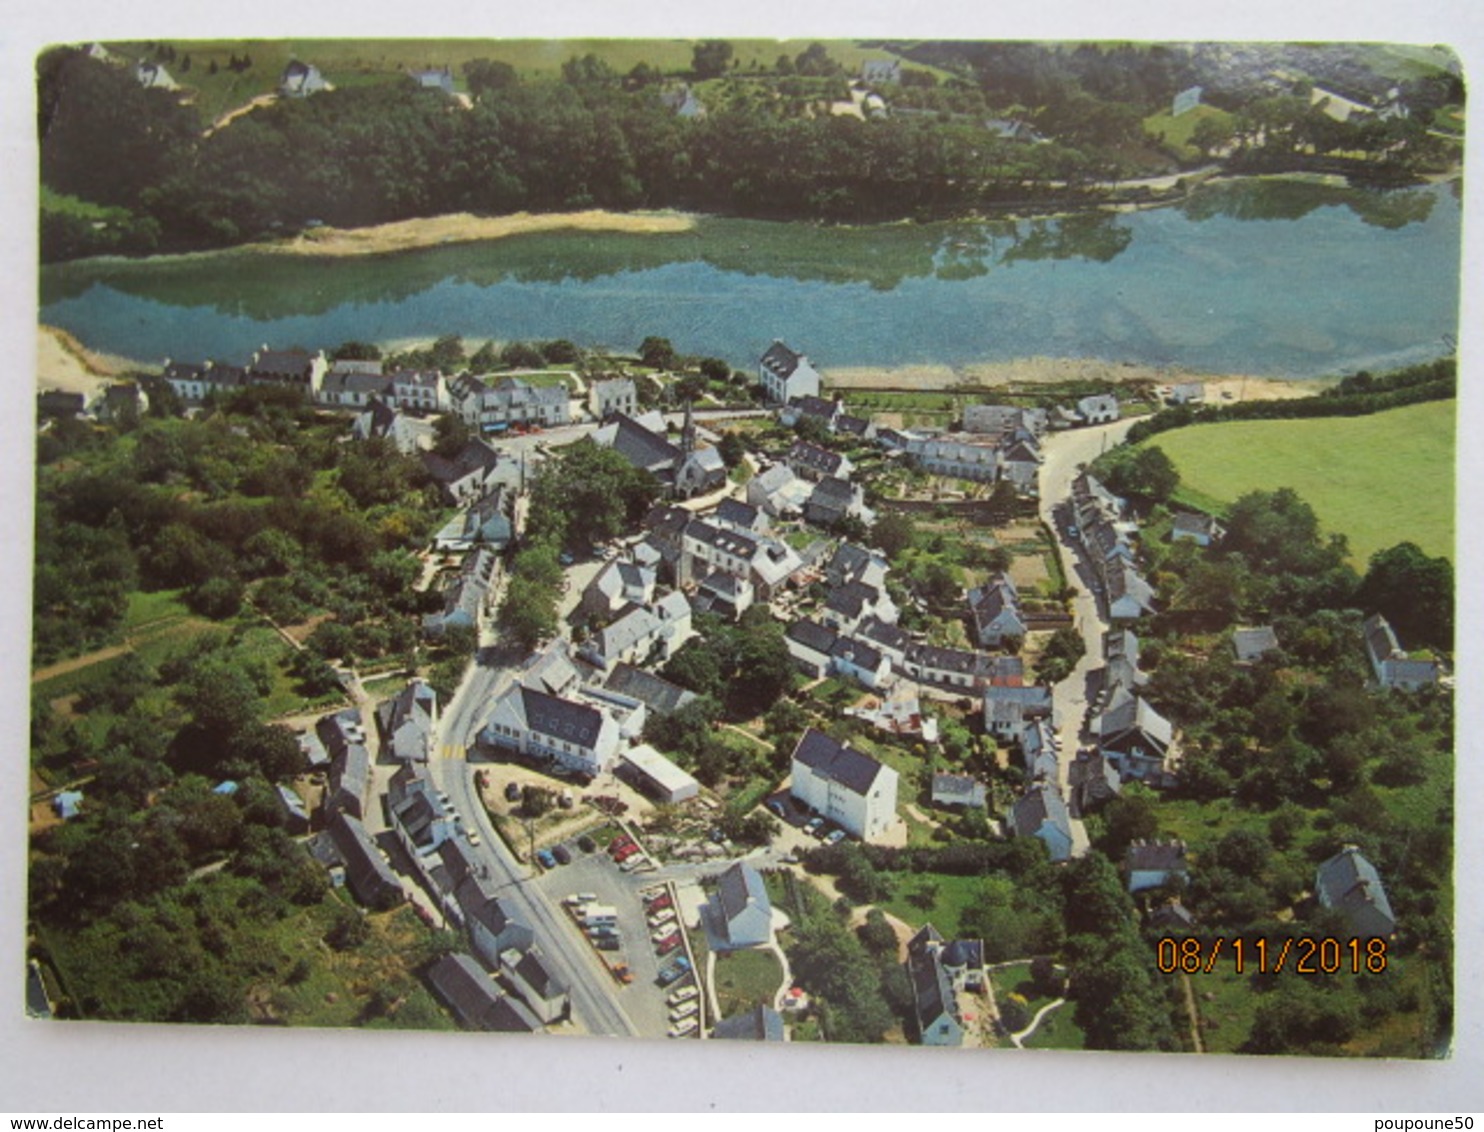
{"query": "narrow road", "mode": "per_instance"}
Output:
(570, 956)
(1065, 453)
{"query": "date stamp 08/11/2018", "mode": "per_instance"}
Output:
(1304, 955)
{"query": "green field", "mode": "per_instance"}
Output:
(356, 62)
(746, 978)
(1177, 131)
(1378, 480)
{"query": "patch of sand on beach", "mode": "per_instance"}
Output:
(64, 363)
(1220, 388)
(463, 227)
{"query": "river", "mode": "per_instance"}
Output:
(1270, 277)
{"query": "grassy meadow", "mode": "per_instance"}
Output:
(355, 62)
(1378, 480)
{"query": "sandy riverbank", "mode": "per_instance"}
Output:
(1042, 370)
(64, 363)
(463, 227)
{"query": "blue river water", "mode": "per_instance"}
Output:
(1259, 277)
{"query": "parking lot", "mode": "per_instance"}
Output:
(596, 874)
(801, 830)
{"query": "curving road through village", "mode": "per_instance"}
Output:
(1064, 455)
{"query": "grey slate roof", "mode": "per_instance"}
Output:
(812, 635)
(659, 694)
(1195, 523)
(932, 991)
(858, 653)
(957, 790)
(812, 456)
(828, 759)
(779, 359)
(1350, 883)
(1251, 644)
(741, 896)
(1127, 712)
(852, 598)
(282, 364)
(538, 975)
(576, 723)
(642, 448)
(473, 997)
(370, 877)
(1155, 856)
(737, 513)
(1038, 807)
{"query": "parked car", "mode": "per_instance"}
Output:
(562, 854)
(657, 903)
(622, 973)
(607, 943)
(688, 1010)
(629, 864)
(684, 1029)
(676, 971)
(835, 837)
(777, 808)
(668, 944)
(662, 933)
(512, 791)
(684, 994)
(626, 852)
(663, 917)
(586, 843)
(474, 838)
(813, 825)
(546, 859)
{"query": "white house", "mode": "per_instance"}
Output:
(967, 456)
(616, 585)
(576, 736)
(741, 912)
(849, 788)
(1135, 738)
(533, 979)
(935, 1004)
(494, 404)
(1149, 864)
(1351, 884)
(616, 395)
(1098, 409)
(423, 391)
(1393, 668)
(642, 635)
(1041, 813)
(786, 375)
(407, 721)
(996, 610)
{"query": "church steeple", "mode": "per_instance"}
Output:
(688, 430)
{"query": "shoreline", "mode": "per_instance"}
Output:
(418, 234)
(422, 233)
(975, 377)
(65, 363)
